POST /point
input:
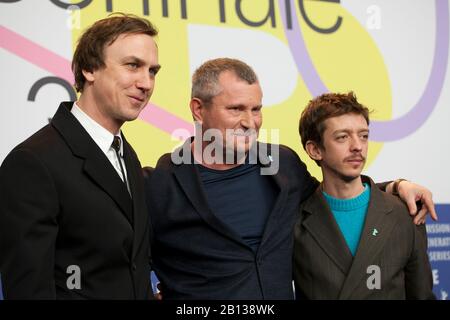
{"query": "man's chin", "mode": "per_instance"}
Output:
(130, 116)
(350, 177)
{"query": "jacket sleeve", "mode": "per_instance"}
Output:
(418, 276)
(28, 227)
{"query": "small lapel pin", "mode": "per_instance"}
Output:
(374, 232)
(270, 158)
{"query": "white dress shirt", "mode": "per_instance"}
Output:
(103, 138)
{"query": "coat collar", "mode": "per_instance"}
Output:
(96, 164)
(320, 223)
(102, 137)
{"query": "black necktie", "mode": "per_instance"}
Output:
(116, 146)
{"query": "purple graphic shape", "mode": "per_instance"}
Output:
(408, 123)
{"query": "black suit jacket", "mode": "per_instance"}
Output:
(197, 256)
(62, 204)
(324, 267)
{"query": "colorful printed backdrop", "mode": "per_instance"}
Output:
(392, 54)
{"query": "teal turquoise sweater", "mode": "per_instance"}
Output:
(350, 215)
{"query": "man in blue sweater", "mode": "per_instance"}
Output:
(353, 241)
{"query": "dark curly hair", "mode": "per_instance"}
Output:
(328, 105)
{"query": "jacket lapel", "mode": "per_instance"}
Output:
(377, 228)
(320, 223)
(96, 164)
(282, 183)
(140, 214)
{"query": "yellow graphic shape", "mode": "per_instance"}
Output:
(347, 59)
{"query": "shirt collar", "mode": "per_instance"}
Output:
(102, 137)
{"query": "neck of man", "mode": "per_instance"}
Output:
(89, 105)
(342, 188)
(212, 161)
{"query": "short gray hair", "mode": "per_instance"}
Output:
(206, 78)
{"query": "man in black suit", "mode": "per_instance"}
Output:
(223, 206)
(73, 219)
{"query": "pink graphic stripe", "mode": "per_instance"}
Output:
(35, 54)
(164, 120)
(60, 67)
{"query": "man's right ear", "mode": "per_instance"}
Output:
(196, 106)
(88, 75)
(313, 150)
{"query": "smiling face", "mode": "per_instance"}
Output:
(235, 112)
(120, 90)
(345, 145)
